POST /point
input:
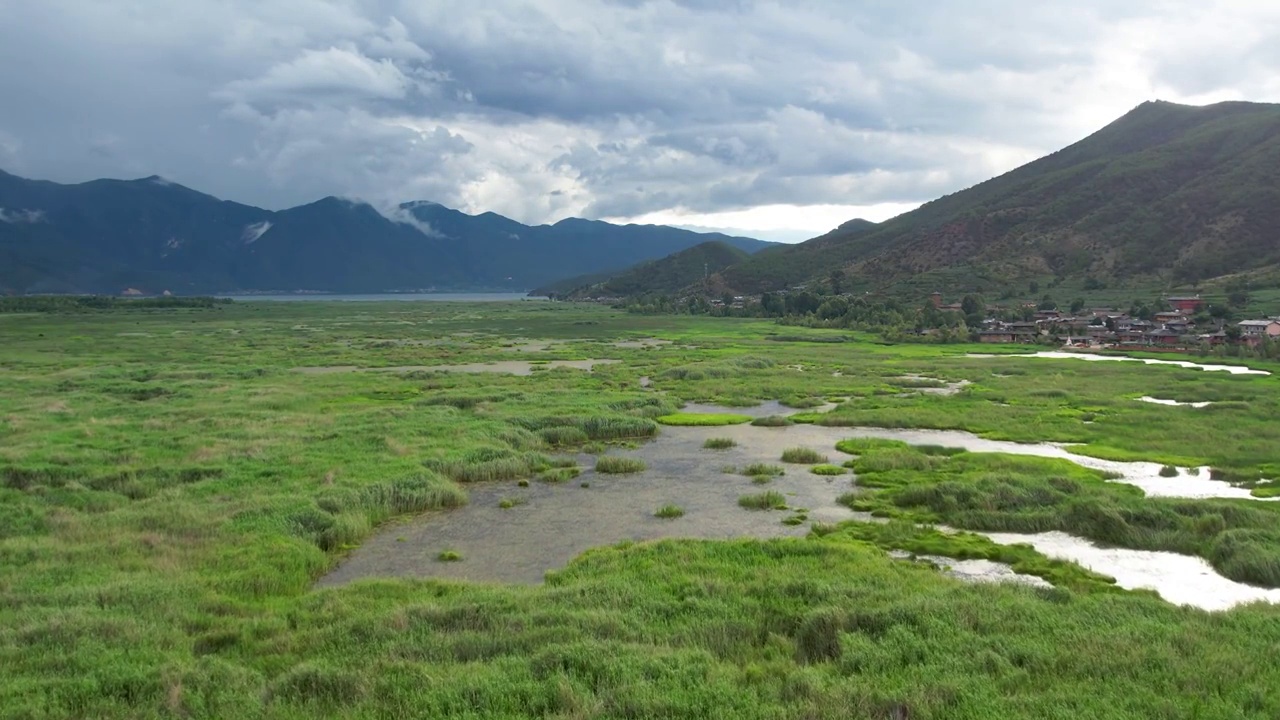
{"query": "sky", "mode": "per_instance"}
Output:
(779, 120)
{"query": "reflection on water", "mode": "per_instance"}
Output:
(980, 571)
(1172, 403)
(1057, 355)
(1179, 579)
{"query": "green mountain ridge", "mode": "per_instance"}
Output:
(153, 235)
(667, 274)
(1168, 193)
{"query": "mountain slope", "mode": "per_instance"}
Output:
(154, 235)
(668, 274)
(1167, 192)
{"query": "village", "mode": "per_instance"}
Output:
(1181, 326)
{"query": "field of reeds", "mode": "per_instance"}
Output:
(174, 480)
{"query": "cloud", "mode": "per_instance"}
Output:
(335, 75)
(21, 217)
(540, 109)
(403, 214)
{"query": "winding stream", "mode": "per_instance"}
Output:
(1059, 355)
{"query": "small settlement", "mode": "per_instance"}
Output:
(1176, 328)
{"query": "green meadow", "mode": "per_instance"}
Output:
(173, 482)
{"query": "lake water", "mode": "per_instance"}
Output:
(389, 297)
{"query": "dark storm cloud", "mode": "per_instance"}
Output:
(545, 108)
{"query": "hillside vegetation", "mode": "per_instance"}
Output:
(1168, 194)
(668, 274)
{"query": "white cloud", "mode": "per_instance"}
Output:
(316, 76)
(404, 215)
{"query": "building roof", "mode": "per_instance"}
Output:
(1257, 323)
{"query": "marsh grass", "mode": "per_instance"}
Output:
(772, 421)
(802, 402)
(762, 470)
(560, 475)
(490, 464)
(703, 419)
(828, 470)
(669, 512)
(802, 456)
(769, 500)
(132, 588)
(1168, 471)
(618, 465)
(719, 444)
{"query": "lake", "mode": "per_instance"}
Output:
(389, 297)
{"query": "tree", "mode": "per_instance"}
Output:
(837, 281)
(1047, 303)
(1033, 287)
(1077, 305)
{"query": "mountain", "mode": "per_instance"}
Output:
(155, 235)
(668, 274)
(1168, 194)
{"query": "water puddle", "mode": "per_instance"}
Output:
(641, 344)
(1058, 355)
(1179, 579)
(946, 389)
(511, 367)
(556, 523)
(975, 571)
(1162, 401)
(768, 408)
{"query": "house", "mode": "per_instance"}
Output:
(1165, 338)
(1254, 332)
(1188, 305)
(997, 336)
(1214, 339)
(1170, 316)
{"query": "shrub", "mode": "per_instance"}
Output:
(719, 444)
(771, 500)
(1168, 471)
(669, 512)
(618, 465)
(803, 456)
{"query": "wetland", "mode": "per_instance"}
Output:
(541, 509)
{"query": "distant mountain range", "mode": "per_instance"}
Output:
(152, 235)
(1167, 195)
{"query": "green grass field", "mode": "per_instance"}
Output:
(174, 481)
